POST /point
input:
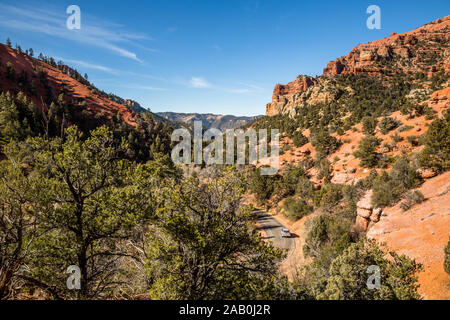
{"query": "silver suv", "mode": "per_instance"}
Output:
(285, 233)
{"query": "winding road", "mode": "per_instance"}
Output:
(272, 228)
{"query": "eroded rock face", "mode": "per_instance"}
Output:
(361, 224)
(283, 94)
(365, 201)
(366, 215)
(300, 84)
(365, 57)
(376, 214)
(318, 91)
(421, 233)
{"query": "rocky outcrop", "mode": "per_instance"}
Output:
(421, 50)
(300, 84)
(283, 93)
(347, 177)
(426, 173)
(385, 56)
(320, 90)
(366, 215)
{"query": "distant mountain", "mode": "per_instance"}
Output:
(133, 105)
(209, 120)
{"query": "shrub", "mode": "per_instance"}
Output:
(436, 154)
(340, 131)
(414, 140)
(447, 258)
(387, 124)
(412, 198)
(326, 231)
(10, 71)
(347, 274)
(388, 188)
(299, 139)
(305, 188)
(403, 172)
(323, 142)
(262, 185)
(322, 164)
(286, 186)
(369, 124)
(396, 137)
(295, 209)
(405, 128)
(367, 151)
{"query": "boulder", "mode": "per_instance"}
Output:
(361, 224)
(375, 217)
(366, 201)
(364, 213)
(351, 170)
(342, 178)
(304, 151)
(377, 211)
(426, 173)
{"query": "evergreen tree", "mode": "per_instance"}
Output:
(93, 201)
(203, 246)
(367, 151)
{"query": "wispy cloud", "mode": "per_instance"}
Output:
(87, 65)
(196, 82)
(247, 88)
(236, 88)
(145, 88)
(102, 34)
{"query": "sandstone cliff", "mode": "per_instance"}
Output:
(423, 50)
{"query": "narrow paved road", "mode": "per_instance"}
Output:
(273, 227)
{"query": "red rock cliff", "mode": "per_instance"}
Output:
(424, 50)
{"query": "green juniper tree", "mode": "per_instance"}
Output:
(203, 245)
(92, 201)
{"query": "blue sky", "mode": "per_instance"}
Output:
(210, 56)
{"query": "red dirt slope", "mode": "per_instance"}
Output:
(57, 79)
(422, 233)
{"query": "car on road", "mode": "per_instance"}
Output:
(285, 233)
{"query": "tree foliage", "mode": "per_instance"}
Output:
(367, 151)
(436, 154)
(204, 246)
